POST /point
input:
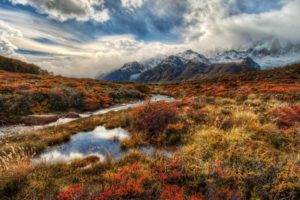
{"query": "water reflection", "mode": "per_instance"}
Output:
(99, 142)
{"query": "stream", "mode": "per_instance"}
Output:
(100, 142)
(18, 129)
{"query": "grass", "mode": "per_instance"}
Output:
(246, 158)
(39, 140)
(238, 141)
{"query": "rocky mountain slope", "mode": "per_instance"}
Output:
(183, 66)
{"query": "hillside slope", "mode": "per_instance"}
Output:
(13, 65)
(27, 94)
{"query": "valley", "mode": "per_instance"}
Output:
(233, 136)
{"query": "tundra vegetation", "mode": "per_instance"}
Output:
(234, 137)
(30, 94)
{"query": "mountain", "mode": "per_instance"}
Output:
(176, 68)
(269, 53)
(182, 66)
(125, 73)
(131, 71)
(194, 57)
(13, 65)
(233, 67)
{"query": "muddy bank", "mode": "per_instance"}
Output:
(37, 120)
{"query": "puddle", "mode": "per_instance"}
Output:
(99, 142)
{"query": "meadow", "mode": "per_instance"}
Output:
(229, 138)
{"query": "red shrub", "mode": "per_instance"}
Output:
(170, 172)
(73, 192)
(197, 197)
(280, 89)
(96, 101)
(153, 118)
(172, 192)
(287, 116)
(126, 184)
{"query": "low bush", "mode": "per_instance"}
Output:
(129, 183)
(72, 192)
(287, 116)
(153, 118)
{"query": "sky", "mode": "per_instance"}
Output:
(82, 38)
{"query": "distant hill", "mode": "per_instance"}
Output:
(13, 65)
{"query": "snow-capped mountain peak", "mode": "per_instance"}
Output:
(269, 53)
(191, 55)
(229, 56)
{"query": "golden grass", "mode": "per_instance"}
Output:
(236, 149)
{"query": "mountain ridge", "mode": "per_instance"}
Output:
(268, 53)
(182, 66)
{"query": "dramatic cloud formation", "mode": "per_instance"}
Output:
(214, 25)
(83, 37)
(62, 10)
(7, 33)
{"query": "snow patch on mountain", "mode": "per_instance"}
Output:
(153, 62)
(134, 77)
(191, 55)
(270, 53)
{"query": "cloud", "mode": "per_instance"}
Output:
(104, 54)
(132, 4)
(211, 24)
(59, 50)
(7, 48)
(63, 10)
